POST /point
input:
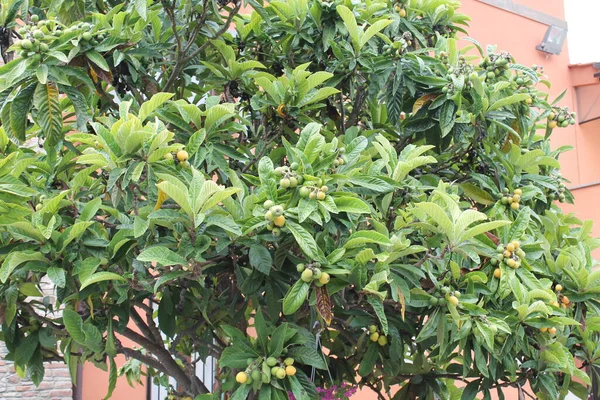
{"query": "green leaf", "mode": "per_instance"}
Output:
(447, 117)
(367, 365)
(306, 242)
(100, 277)
(97, 59)
(377, 305)
(476, 193)
(351, 205)
(26, 348)
(265, 173)
(155, 101)
(112, 378)
(74, 325)
(295, 297)
(351, 25)
(438, 215)
(307, 355)
(360, 238)
(241, 393)
(142, 10)
(49, 115)
(470, 391)
(377, 27)
(84, 114)
(506, 101)
(520, 224)
(13, 260)
(162, 255)
(19, 111)
(57, 276)
(481, 228)
(260, 258)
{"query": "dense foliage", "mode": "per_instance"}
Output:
(325, 192)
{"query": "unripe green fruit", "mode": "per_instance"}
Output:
(22, 31)
(494, 261)
(277, 210)
(320, 195)
(491, 75)
(35, 18)
(374, 337)
(26, 44)
(23, 53)
(445, 290)
(304, 192)
(268, 204)
(265, 378)
(382, 340)
(38, 207)
(317, 273)
(288, 361)
(457, 294)
(433, 301)
(312, 195)
(280, 373)
(300, 267)
(294, 165)
(38, 34)
(279, 171)
(255, 375)
(37, 57)
(293, 182)
(274, 370)
(307, 275)
(87, 36)
(372, 328)
(442, 302)
(44, 47)
(271, 361)
(276, 232)
(269, 216)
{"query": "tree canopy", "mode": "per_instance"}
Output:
(310, 192)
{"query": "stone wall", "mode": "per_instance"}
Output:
(55, 386)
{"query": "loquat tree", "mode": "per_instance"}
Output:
(309, 192)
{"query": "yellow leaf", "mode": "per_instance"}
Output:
(162, 196)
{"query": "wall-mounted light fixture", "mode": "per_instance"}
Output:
(554, 39)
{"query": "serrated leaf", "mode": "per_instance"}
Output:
(100, 277)
(57, 276)
(351, 205)
(162, 255)
(295, 297)
(97, 59)
(360, 238)
(306, 242)
(260, 258)
(49, 115)
(152, 104)
(74, 325)
(13, 260)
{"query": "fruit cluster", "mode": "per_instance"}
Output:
(274, 217)
(464, 68)
(37, 37)
(511, 254)
(376, 336)
(559, 194)
(340, 160)
(313, 192)
(513, 200)
(564, 300)
(551, 331)
(447, 297)
(399, 8)
(561, 117)
(312, 272)
(289, 178)
(181, 157)
(496, 64)
(258, 370)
